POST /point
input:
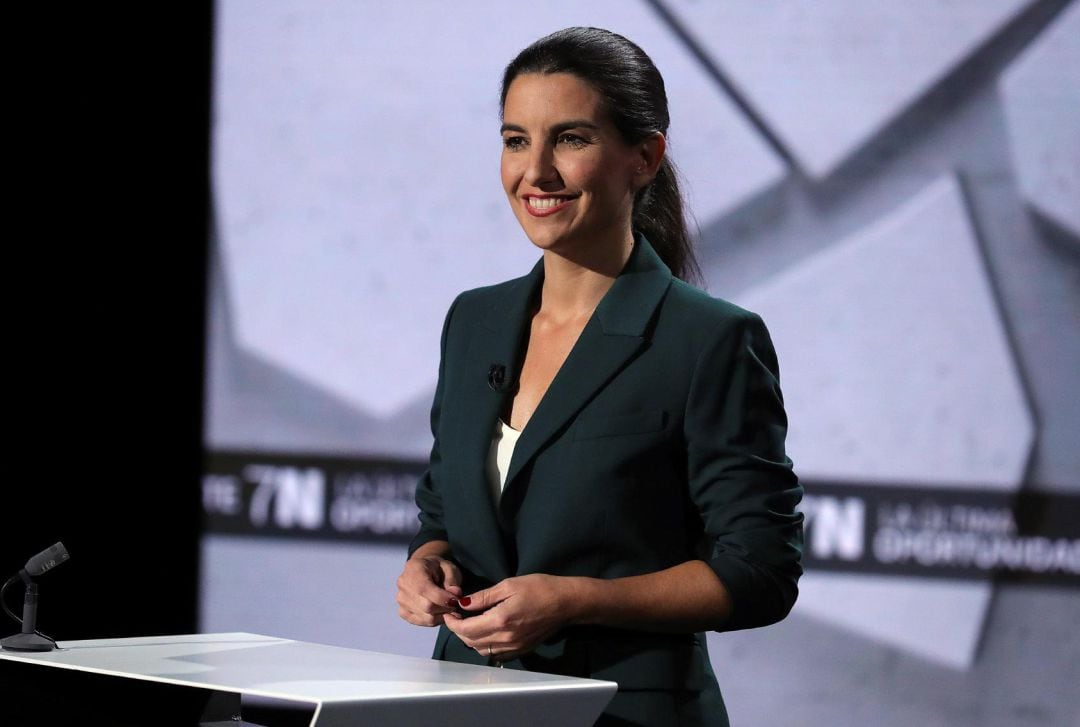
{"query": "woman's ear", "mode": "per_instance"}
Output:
(650, 154)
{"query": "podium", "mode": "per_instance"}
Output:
(200, 679)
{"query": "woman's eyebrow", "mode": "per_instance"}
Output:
(574, 124)
(562, 126)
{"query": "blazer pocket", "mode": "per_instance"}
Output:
(641, 422)
(649, 662)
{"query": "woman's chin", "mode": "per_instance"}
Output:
(547, 241)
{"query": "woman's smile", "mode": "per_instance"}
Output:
(542, 206)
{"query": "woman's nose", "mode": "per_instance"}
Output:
(541, 169)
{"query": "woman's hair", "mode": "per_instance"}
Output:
(635, 100)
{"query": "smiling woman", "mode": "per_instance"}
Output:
(625, 487)
(570, 177)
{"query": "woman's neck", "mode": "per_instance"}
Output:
(573, 286)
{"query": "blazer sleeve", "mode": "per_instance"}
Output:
(428, 495)
(739, 476)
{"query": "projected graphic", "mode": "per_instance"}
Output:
(894, 187)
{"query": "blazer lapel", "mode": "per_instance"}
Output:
(496, 340)
(611, 338)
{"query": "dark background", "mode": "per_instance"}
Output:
(109, 114)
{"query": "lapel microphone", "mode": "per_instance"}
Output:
(497, 377)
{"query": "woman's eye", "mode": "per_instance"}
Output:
(513, 143)
(572, 140)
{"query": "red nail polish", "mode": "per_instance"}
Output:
(465, 601)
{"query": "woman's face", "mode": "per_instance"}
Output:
(568, 174)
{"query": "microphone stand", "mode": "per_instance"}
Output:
(28, 640)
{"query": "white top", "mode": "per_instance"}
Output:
(499, 456)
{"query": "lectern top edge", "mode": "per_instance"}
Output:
(277, 668)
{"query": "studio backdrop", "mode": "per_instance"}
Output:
(894, 187)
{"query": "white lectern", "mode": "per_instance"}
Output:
(200, 678)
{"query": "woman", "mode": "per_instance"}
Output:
(608, 478)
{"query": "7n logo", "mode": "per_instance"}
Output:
(835, 526)
(298, 496)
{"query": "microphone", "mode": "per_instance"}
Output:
(30, 639)
(497, 377)
(46, 560)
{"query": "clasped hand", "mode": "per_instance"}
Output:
(428, 590)
(514, 615)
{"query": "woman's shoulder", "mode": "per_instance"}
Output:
(705, 328)
(489, 294)
(482, 302)
(684, 301)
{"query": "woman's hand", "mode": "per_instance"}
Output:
(428, 588)
(518, 613)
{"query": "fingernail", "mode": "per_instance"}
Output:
(465, 601)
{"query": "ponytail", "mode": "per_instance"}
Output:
(659, 215)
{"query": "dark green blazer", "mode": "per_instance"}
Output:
(660, 440)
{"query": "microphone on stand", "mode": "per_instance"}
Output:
(30, 639)
(46, 560)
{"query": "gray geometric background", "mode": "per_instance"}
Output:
(895, 187)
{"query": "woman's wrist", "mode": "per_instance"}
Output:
(582, 599)
(436, 548)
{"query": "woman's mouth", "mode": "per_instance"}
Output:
(544, 206)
